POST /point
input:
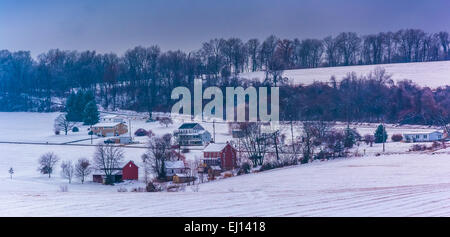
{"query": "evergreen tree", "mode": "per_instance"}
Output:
(76, 103)
(91, 114)
(70, 108)
(350, 138)
(380, 134)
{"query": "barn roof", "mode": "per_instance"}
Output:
(106, 124)
(421, 132)
(215, 147)
(130, 162)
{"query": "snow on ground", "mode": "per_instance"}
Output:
(432, 74)
(396, 185)
(407, 184)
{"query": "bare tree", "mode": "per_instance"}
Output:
(62, 123)
(254, 142)
(107, 159)
(47, 162)
(158, 152)
(252, 46)
(331, 51)
(192, 171)
(11, 172)
(348, 44)
(313, 135)
(83, 169)
(67, 170)
(166, 121)
(369, 139)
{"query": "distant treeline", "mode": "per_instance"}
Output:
(142, 79)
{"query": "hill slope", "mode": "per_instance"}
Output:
(431, 74)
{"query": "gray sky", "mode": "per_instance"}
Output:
(117, 25)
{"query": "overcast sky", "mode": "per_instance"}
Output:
(117, 25)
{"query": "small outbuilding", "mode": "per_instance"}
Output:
(174, 167)
(129, 171)
(182, 178)
(120, 140)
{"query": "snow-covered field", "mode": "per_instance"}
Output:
(397, 185)
(431, 74)
(404, 184)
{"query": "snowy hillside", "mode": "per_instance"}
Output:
(398, 185)
(431, 74)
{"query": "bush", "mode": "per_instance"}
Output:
(436, 144)
(141, 132)
(268, 166)
(418, 147)
(122, 190)
(90, 133)
(150, 187)
(75, 129)
(397, 137)
(57, 132)
(245, 168)
(138, 190)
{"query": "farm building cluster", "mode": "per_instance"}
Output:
(215, 159)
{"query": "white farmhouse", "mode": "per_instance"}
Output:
(192, 134)
(112, 119)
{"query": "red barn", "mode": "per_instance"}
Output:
(220, 154)
(130, 171)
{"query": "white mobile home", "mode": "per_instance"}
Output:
(423, 136)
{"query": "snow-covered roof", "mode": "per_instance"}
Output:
(117, 171)
(215, 147)
(111, 116)
(175, 164)
(106, 124)
(182, 175)
(421, 132)
(188, 125)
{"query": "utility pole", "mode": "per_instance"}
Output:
(292, 137)
(275, 137)
(129, 130)
(384, 132)
(214, 130)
